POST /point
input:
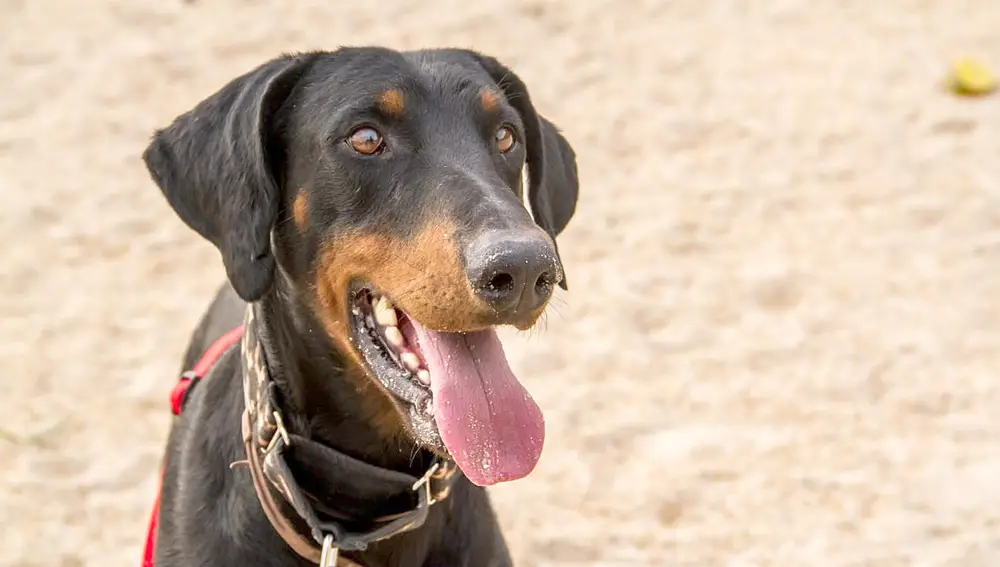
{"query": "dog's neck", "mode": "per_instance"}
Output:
(322, 396)
(345, 503)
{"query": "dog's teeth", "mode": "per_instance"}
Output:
(394, 336)
(385, 313)
(386, 318)
(424, 376)
(410, 360)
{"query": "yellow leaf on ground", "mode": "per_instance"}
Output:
(971, 77)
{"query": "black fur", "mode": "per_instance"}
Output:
(230, 168)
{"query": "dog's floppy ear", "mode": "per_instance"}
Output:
(553, 184)
(219, 167)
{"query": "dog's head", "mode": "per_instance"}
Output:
(387, 188)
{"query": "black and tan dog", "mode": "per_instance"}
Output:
(371, 215)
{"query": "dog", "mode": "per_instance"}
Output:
(376, 224)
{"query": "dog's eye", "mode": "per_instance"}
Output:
(366, 141)
(504, 139)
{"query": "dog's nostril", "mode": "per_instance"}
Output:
(501, 282)
(543, 285)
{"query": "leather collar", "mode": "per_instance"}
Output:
(269, 448)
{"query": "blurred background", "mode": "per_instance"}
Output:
(781, 344)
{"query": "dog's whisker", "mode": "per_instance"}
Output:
(557, 309)
(414, 453)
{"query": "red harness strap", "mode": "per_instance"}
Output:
(177, 398)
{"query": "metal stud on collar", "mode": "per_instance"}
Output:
(330, 554)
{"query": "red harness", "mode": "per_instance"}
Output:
(177, 398)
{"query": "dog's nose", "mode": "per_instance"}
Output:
(513, 271)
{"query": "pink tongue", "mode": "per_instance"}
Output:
(488, 421)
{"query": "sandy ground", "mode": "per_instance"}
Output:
(782, 340)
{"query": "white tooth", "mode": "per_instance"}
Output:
(410, 360)
(394, 336)
(385, 314)
(424, 376)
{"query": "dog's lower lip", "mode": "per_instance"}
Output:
(393, 362)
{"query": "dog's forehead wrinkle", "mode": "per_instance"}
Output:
(449, 74)
(433, 65)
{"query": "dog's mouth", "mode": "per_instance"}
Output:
(456, 390)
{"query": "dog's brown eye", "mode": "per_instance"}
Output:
(366, 141)
(505, 139)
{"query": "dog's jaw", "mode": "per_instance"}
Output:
(457, 390)
(393, 365)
